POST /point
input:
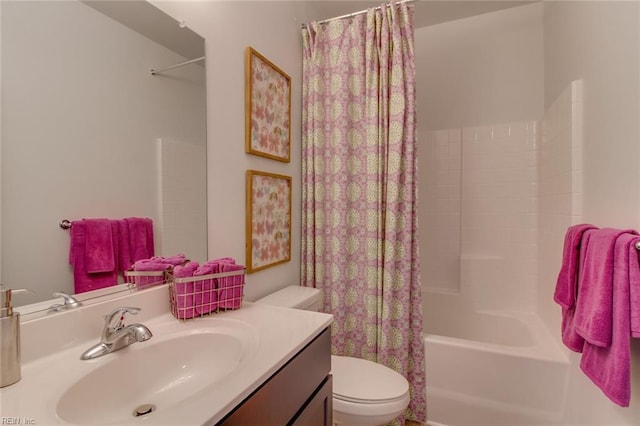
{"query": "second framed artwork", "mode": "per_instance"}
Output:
(268, 221)
(267, 108)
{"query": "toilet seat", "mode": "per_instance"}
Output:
(361, 381)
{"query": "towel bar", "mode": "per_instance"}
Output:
(66, 224)
(638, 245)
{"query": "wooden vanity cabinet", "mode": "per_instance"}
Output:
(299, 394)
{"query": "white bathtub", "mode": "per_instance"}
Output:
(492, 368)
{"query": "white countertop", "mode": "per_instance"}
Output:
(279, 333)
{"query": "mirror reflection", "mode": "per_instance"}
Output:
(89, 132)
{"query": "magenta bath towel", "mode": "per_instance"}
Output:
(634, 290)
(594, 305)
(140, 238)
(609, 366)
(566, 285)
(82, 279)
(575, 242)
(124, 254)
(99, 247)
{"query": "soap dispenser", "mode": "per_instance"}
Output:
(9, 338)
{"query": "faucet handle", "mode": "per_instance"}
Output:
(119, 313)
(69, 301)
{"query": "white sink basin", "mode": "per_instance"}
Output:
(154, 377)
(191, 372)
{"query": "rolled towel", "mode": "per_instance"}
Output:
(222, 260)
(231, 288)
(187, 270)
(208, 268)
(206, 290)
(174, 260)
(149, 265)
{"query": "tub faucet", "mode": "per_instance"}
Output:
(115, 335)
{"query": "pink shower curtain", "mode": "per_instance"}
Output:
(359, 220)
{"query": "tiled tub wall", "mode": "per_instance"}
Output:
(494, 205)
(479, 212)
(560, 190)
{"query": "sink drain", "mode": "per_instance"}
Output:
(143, 410)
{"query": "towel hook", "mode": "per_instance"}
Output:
(65, 224)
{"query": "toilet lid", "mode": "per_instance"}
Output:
(359, 380)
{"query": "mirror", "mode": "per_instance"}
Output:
(89, 132)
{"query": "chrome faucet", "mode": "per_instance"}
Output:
(69, 302)
(115, 335)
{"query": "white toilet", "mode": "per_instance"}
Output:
(364, 393)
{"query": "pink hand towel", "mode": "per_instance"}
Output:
(609, 367)
(566, 285)
(140, 238)
(99, 248)
(83, 280)
(594, 305)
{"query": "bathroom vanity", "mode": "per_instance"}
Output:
(298, 394)
(255, 365)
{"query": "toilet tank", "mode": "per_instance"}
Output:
(297, 297)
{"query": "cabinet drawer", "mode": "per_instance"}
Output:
(278, 400)
(319, 409)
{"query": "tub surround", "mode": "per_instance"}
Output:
(464, 385)
(278, 335)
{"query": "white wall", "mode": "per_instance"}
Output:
(486, 69)
(79, 134)
(560, 191)
(587, 172)
(480, 85)
(273, 29)
(598, 42)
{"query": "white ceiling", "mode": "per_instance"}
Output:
(152, 23)
(427, 12)
(160, 27)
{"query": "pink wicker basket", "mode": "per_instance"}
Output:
(195, 296)
(144, 279)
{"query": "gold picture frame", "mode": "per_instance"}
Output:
(268, 220)
(267, 108)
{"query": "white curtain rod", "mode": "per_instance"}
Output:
(154, 72)
(350, 15)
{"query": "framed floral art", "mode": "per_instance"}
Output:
(267, 108)
(268, 220)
